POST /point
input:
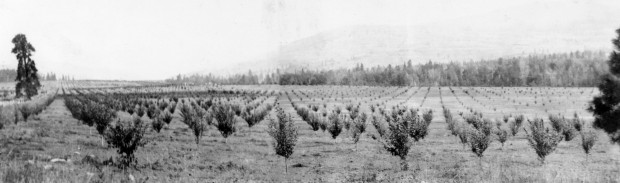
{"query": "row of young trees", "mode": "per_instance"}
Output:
(222, 109)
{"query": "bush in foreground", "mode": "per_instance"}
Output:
(127, 137)
(284, 134)
(195, 120)
(542, 140)
(398, 142)
(480, 136)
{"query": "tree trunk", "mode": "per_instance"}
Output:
(285, 165)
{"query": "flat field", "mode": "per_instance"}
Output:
(28, 149)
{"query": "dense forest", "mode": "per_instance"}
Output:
(580, 68)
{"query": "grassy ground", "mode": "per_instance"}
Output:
(28, 148)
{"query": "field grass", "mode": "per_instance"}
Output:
(28, 148)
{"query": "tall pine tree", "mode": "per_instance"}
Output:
(27, 77)
(605, 107)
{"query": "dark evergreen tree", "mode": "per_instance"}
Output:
(605, 106)
(27, 77)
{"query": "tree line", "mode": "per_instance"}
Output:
(9, 75)
(568, 69)
(579, 68)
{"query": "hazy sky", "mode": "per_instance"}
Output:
(156, 39)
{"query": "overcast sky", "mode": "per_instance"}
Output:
(156, 39)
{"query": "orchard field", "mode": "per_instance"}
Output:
(54, 144)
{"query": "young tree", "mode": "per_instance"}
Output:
(418, 128)
(542, 140)
(397, 141)
(562, 126)
(166, 117)
(428, 116)
(157, 124)
(284, 134)
(225, 120)
(195, 119)
(605, 106)
(336, 125)
(479, 137)
(127, 136)
(588, 139)
(359, 127)
(27, 77)
(26, 109)
(516, 125)
(101, 116)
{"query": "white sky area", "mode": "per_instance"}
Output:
(157, 39)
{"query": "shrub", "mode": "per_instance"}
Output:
(577, 123)
(378, 124)
(166, 117)
(560, 125)
(542, 140)
(354, 112)
(140, 110)
(26, 109)
(588, 139)
(428, 116)
(480, 137)
(323, 123)
(516, 125)
(335, 126)
(345, 121)
(463, 134)
(195, 120)
(126, 136)
(502, 136)
(359, 127)
(225, 120)
(418, 129)
(101, 116)
(172, 108)
(506, 118)
(397, 142)
(284, 134)
(157, 124)
(450, 121)
(152, 111)
(254, 117)
(314, 120)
